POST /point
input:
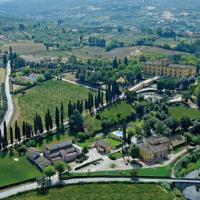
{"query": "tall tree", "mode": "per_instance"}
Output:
(62, 114)
(5, 133)
(24, 129)
(76, 122)
(11, 135)
(57, 118)
(124, 131)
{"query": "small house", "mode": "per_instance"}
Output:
(102, 146)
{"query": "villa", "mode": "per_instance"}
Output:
(154, 149)
(102, 146)
(62, 151)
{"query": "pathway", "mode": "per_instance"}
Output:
(10, 108)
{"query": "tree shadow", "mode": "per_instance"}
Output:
(42, 191)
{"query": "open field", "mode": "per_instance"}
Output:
(182, 111)
(24, 47)
(102, 191)
(15, 168)
(88, 52)
(46, 96)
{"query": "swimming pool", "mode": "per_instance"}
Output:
(118, 133)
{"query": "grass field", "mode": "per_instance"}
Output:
(118, 110)
(102, 191)
(24, 47)
(182, 111)
(15, 168)
(46, 96)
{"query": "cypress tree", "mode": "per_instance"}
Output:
(47, 122)
(62, 114)
(126, 61)
(5, 134)
(50, 122)
(11, 135)
(40, 124)
(16, 136)
(24, 129)
(57, 118)
(35, 127)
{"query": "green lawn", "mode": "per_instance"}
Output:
(90, 141)
(117, 111)
(182, 111)
(113, 143)
(157, 171)
(102, 191)
(116, 155)
(46, 96)
(12, 171)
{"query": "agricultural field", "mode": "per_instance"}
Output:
(15, 168)
(181, 111)
(24, 47)
(96, 52)
(103, 192)
(46, 96)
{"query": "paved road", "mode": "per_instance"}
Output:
(10, 109)
(32, 186)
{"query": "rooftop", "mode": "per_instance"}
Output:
(102, 143)
(59, 145)
(155, 144)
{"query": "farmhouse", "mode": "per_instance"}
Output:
(35, 157)
(154, 149)
(164, 68)
(102, 146)
(62, 151)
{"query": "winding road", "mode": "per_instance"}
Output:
(55, 182)
(10, 106)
